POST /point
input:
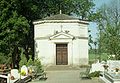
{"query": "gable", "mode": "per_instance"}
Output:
(62, 35)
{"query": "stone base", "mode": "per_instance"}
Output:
(108, 78)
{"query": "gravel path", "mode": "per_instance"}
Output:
(66, 76)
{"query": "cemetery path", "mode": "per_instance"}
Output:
(66, 76)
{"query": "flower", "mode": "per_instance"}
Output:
(23, 73)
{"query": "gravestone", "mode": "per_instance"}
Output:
(113, 64)
(25, 69)
(14, 73)
(97, 67)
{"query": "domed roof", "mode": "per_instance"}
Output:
(60, 17)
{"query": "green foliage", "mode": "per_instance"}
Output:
(94, 74)
(30, 61)
(9, 61)
(16, 17)
(23, 60)
(37, 64)
(84, 9)
(23, 73)
(2, 58)
(90, 40)
(5, 60)
(13, 28)
(103, 56)
(109, 29)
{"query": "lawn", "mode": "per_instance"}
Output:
(92, 57)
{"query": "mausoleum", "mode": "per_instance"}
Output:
(61, 40)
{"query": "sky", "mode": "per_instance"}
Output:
(93, 26)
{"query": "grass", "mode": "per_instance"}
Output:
(93, 57)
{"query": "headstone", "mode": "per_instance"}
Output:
(25, 69)
(14, 73)
(30, 69)
(113, 64)
(97, 67)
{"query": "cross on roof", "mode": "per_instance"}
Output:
(60, 11)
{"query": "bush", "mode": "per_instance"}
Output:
(3, 58)
(30, 62)
(23, 60)
(37, 64)
(91, 62)
(94, 74)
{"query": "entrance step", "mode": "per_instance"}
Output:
(61, 67)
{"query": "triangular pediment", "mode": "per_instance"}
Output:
(62, 35)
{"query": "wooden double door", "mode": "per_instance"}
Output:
(61, 54)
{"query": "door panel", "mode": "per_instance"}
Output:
(61, 54)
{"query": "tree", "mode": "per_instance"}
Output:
(16, 17)
(13, 28)
(109, 27)
(84, 9)
(90, 40)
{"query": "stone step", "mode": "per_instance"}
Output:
(61, 67)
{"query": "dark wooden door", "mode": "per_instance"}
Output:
(61, 54)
